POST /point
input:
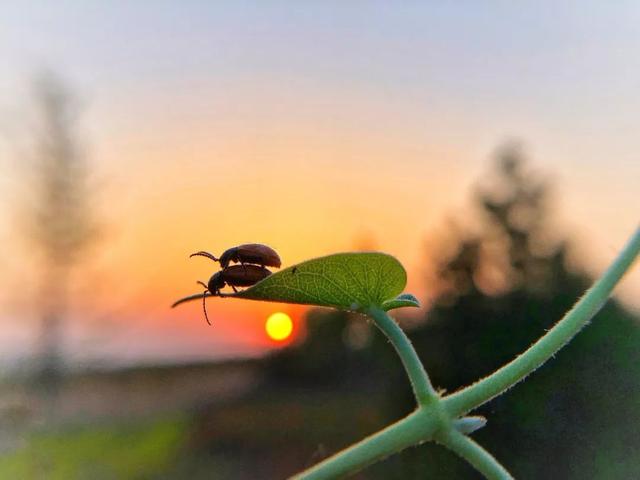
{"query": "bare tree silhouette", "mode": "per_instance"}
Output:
(59, 219)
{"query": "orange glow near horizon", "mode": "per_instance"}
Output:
(212, 201)
(227, 196)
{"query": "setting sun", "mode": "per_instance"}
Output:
(278, 326)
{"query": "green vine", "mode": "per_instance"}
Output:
(371, 283)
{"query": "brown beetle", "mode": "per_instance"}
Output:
(251, 253)
(234, 276)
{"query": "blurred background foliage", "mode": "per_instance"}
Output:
(500, 285)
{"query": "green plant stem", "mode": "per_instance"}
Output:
(422, 388)
(498, 382)
(432, 419)
(411, 430)
(473, 453)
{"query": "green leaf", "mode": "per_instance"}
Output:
(351, 281)
(403, 300)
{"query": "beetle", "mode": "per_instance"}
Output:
(236, 276)
(248, 253)
(233, 276)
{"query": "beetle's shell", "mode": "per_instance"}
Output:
(244, 275)
(254, 253)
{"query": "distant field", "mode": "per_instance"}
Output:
(113, 451)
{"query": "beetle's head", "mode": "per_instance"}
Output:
(228, 256)
(216, 282)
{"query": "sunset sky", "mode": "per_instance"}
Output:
(314, 128)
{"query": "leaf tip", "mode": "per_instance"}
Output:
(402, 300)
(470, 424)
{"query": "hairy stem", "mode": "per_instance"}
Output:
(411, 430)
(473, 453)
(422, 388)
(498, 382)
(432, 419)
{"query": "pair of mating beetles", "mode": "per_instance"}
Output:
(252, 257)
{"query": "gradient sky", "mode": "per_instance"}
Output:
(312, 127)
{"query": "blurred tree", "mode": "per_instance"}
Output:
(501, 289)
(58, 218)
(504, 283)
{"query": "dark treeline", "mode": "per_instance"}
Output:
(504, 285)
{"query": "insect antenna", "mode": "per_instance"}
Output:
(204, 301)
(204, 254)
(204, 309)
